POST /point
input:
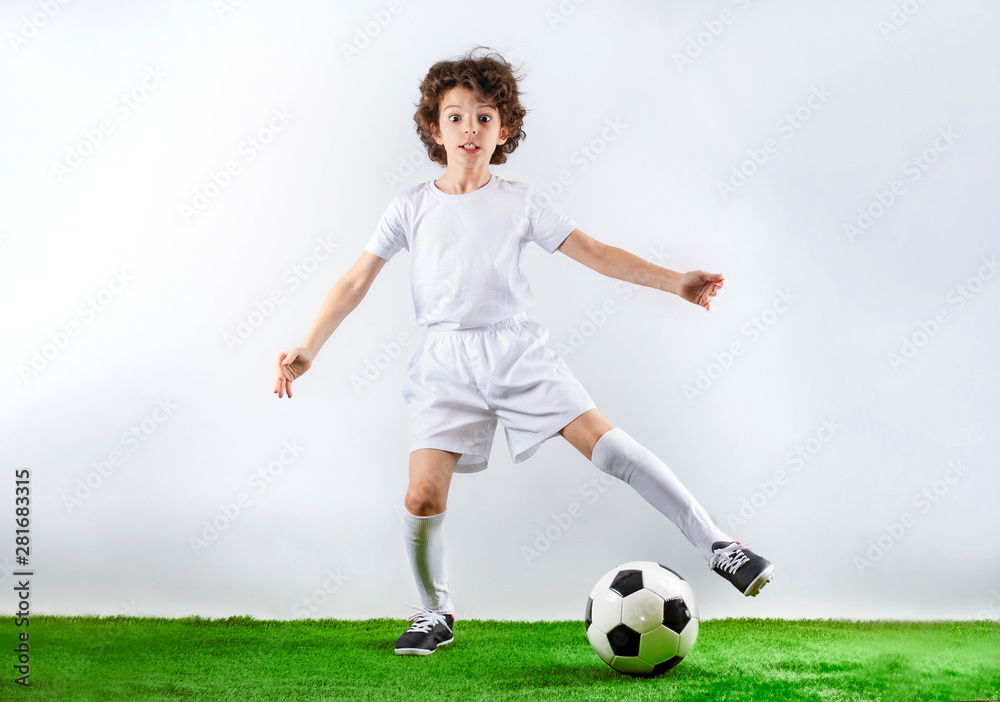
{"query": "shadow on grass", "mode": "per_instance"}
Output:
(571, 675)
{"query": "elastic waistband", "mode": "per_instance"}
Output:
(503, 323)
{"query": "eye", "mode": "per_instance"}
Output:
(450, 118)
(486, 117)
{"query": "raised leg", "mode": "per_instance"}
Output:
(618, 454)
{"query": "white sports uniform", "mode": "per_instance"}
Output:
(482, 360)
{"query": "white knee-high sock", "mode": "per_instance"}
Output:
(618, 454)
(425, 547)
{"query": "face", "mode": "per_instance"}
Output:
(463, 120)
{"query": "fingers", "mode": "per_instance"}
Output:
(282, 383)
(716, 285)
(283, 386)
(710, 284)
(711, 290)
(279, 376)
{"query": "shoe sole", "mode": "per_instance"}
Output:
(413, 652)
(421, 651)
(766, 576)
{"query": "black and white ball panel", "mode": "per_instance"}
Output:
(641, 618)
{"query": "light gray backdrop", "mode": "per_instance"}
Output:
(182, 185)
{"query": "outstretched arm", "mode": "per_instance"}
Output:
(698, 287)
(345, 295)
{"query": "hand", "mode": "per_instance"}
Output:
(699, 287)
(289, 365)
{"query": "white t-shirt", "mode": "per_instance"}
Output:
(465, 250)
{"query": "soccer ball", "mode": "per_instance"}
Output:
(642, 618)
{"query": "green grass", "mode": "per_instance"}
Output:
(138, 659)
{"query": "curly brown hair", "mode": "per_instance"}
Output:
(492, 80)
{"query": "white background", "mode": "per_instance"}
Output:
(698, 88)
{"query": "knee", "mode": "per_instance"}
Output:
(423, 500)
(612, 459)
(595, 436)
(608, 448)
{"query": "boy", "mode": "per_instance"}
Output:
(482, 360)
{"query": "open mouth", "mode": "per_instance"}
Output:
(469, 148)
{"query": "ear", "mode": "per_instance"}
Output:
(436, 133)
(503, 136)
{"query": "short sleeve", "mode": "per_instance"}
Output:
(390, 233)
(547, 225)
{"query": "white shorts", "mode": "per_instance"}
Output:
(459, 383)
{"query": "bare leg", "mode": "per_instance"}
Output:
(430, 478)
(426, 500)
(584, 431)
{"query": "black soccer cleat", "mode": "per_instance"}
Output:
(747, 571)
(428, 631)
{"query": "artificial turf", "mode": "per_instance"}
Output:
(240, 658)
